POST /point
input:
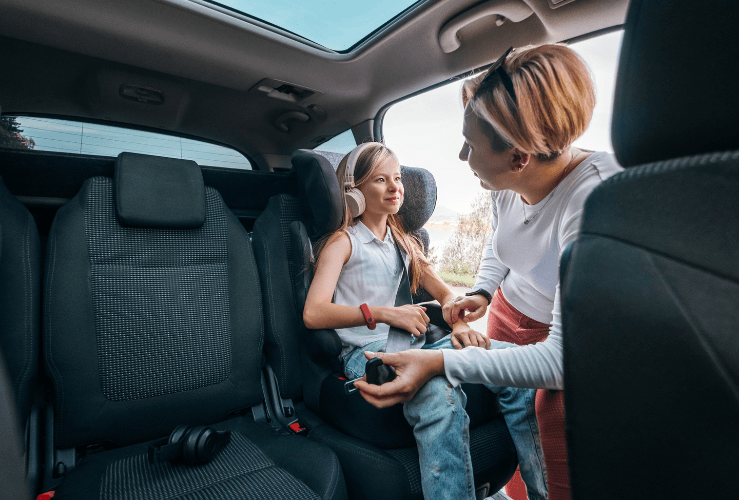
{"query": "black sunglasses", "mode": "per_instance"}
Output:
(496, 72)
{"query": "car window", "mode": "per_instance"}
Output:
(50, 134)
(336, 25)
(426, 130)
(336, 148)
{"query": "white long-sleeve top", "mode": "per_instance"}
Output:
(523, 259)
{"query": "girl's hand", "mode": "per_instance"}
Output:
(464, 336)
(413, 368)
(454, 310)
(410, 317)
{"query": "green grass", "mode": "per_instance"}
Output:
(451, 278)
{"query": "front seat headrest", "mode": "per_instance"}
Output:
(676, 88)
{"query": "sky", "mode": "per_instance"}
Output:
(426, 130)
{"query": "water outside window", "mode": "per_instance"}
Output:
(50, 134)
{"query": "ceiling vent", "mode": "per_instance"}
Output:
(283, 91)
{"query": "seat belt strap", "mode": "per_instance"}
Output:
(397, 339)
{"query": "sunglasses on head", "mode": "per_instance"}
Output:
(496, 72)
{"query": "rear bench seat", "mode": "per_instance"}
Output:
(153, 319)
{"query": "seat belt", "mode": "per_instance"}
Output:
(397, 339)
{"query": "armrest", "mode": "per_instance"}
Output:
(323, 348)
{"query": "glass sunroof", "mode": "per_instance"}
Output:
(337, 25)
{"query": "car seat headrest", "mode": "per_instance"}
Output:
(157, 192)
(419, 200)
(319, 192)
(676, 87)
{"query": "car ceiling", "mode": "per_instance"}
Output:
(69, 58)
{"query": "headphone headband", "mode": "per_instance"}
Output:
(351, 163)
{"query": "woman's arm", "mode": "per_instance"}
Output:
(462, 334)
(321, 312)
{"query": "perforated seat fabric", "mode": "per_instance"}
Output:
(147, 328)
(650, 291)
(257, 464)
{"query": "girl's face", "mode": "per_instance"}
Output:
(383, 189)
(495, 170)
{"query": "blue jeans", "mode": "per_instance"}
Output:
(441, 428)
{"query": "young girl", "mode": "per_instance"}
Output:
(359, 265)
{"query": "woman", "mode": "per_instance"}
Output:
(521, 118)
(358, 272)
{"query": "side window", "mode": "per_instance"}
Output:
(426, 131)
(49, 134)
(336, 148)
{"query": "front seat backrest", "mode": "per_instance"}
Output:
(650, 294)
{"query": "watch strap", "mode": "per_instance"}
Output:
(482, 292)
(371, 323)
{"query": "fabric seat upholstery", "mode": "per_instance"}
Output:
(20, 297)
(651, 354)
(153, 319)
(371, 443)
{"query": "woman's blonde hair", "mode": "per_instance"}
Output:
(368, 161)
(552, 106)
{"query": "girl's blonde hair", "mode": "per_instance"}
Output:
(553, 102)
(368, 161)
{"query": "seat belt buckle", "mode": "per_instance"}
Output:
(297, 429)
(349, 385)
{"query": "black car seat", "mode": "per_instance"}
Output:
(12, 466)
(153, 319)
(651, 289)
(370, 443)
(20, 290)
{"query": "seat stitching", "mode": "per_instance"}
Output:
(29, 318)
(367, 454)
(272, 309)
(707, 346)
(54, 370)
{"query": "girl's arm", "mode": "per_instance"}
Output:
(321, 312)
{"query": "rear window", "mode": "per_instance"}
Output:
(50, 134)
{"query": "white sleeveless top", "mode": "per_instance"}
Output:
(372, 276)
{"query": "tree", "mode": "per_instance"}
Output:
(463, 253)
(11, 134)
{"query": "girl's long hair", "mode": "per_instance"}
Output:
(369, 160)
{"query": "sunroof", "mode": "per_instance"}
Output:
(337, 25)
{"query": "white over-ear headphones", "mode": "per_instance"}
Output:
(354, 197)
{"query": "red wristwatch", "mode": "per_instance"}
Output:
(371, 323)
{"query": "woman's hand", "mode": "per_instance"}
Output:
(410, 317)
(454, 310)
(413, 368)
(464, 336)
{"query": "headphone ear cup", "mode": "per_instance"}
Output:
(355, 202)
(190, 451)
(177, 434)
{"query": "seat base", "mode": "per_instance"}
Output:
(259, 462)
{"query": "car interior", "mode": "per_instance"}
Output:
(151, 304)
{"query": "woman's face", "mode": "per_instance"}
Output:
(383, 190)
(495, 170)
